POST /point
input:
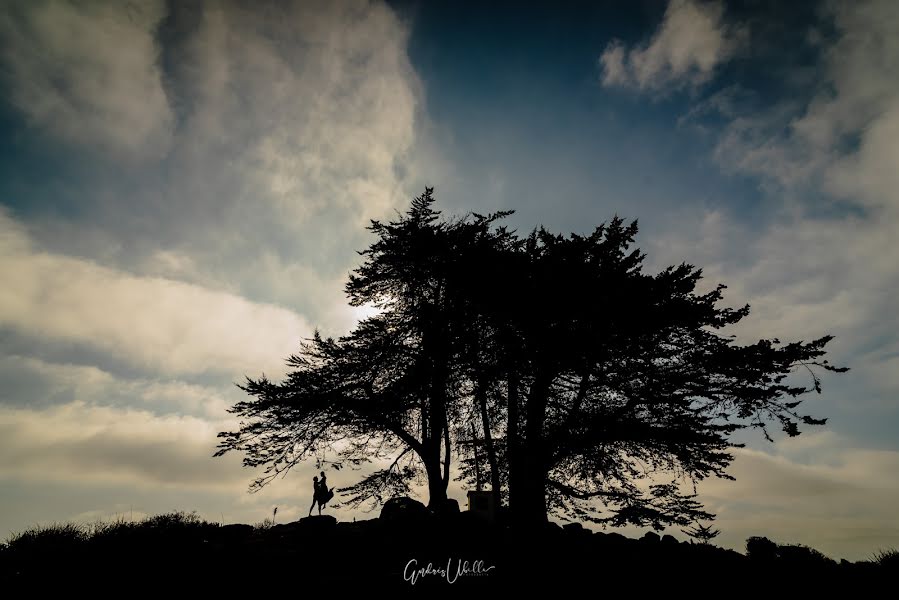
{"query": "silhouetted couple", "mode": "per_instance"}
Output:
(322, 494)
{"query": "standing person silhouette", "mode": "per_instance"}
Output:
(316, 496)
(324, 493)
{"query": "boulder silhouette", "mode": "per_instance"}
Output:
(669, 539)
(447, 508)
(573, 527)
(317, 524)
(404, 510)
(650, 536)
(576, 529)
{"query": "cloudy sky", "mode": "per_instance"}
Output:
(184, 187)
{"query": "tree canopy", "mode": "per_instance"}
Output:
(580, 384)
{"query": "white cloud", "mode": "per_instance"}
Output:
(88, 72)
(843, 139)
(34, 383)
(263, 142)
(318, 103)
(140, 454)
(825, 263)
(78, 442)
(691, 42)
(293, 128)
(818, 491)
(152, 323)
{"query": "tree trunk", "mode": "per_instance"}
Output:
(530, 503)
(447, 455)
(495, 481)
(434, 339)
(530, 511)
(437, 470)
(513, 440)
(436, 483)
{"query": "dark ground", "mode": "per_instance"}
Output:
(180, 551)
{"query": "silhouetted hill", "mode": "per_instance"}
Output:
(183, 549)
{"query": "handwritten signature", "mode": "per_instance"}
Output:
(413, 573)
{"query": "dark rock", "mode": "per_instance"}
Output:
(317, 524)
(650, 536)
(576, 529)
(449, 507)
(669, 539)
(404, 510)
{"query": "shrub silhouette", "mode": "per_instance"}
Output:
(58, 537)
(888, 559)
(802, 556)
(181, 547)
(761, 548)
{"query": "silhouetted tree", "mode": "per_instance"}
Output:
(329, 402)
(594, 389)
(621, 384)
(391, 389)
(761, 548)
(702, 533)
(484, 257)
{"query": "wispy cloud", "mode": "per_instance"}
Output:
(159, 325)
(818, 490)
(283, 131)
(831, 166)
(79, 442)
(64, 78)
(230, 158)
(692, 40)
